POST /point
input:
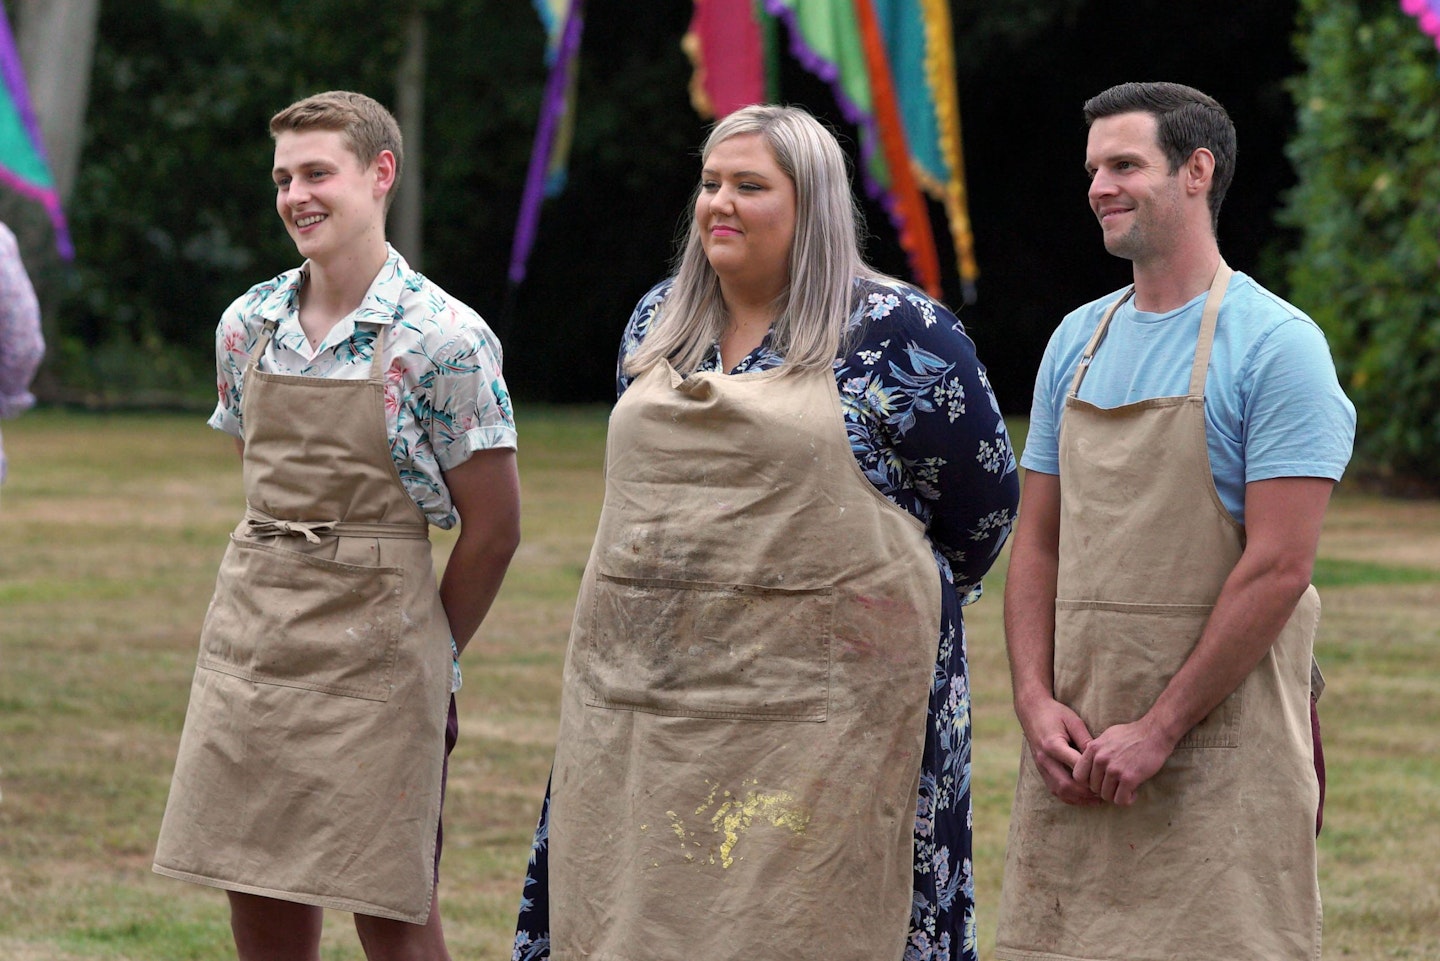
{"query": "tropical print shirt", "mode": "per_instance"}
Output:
(21, 343)
(445, 397)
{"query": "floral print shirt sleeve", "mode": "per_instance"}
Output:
(926, 428)
(636, 328)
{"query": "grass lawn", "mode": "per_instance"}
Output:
(111, 527)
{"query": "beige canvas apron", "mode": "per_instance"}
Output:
(309, 766)
(746, 687)
(1216, 858)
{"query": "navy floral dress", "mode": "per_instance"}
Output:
(926, 430)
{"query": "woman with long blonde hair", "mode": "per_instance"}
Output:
(764, 743)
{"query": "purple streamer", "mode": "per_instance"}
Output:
(552, 108)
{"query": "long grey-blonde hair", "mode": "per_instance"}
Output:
(812, 312)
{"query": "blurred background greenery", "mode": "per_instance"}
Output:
(1336, 204)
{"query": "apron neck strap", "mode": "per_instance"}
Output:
(377, 363)
(267, 333)
(1206, 340)
(1084, 366)
(1208, 320)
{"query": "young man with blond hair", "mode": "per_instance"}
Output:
(367, 404)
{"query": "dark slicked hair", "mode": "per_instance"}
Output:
(1185, 120)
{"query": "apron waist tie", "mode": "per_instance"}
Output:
(259, 523)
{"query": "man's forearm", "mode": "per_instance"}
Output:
(1055, 733)
(472, 579)
(486, 491)
(1030, 624)
(1255, 602)
(1030, 590)
(1283, 517)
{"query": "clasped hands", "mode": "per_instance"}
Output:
(1085, 770)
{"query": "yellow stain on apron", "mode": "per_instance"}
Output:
(1216, 859)
(734, 816)
(310, 762)
(746, 686)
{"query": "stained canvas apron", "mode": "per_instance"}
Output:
(309, 766)
(746, 687)
(1216, 858)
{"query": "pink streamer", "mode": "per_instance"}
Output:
(1427, 13)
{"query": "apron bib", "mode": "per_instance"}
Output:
(1216, 858)
(309, 766)
(746, 687)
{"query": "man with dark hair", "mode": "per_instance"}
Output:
(1185, 121)
(1184, 440)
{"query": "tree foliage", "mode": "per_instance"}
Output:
(173, 212)
(1367, 206)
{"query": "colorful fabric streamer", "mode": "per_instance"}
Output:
(1427, 12)
(564, 23)
(906, 202)
(946, 178)
(23, 166)
(727, 49)
(890, 65)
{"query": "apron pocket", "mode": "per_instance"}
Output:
(286, 618)
(709, 650)
(1112, 660)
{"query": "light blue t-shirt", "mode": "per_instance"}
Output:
(1273, 405)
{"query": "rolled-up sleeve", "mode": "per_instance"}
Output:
(233, 345)
(468, 403)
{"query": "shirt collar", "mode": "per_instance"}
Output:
(380, 305)
(760, 358)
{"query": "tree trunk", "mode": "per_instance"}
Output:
(56, 40)
(406, 215)
(56, 43)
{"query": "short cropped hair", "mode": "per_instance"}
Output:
(366, 126)
(1185, 120)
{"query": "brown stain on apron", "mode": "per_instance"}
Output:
(1216, 858)
(746, 686)
(310, 762)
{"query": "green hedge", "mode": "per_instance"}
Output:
(1367, 208)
